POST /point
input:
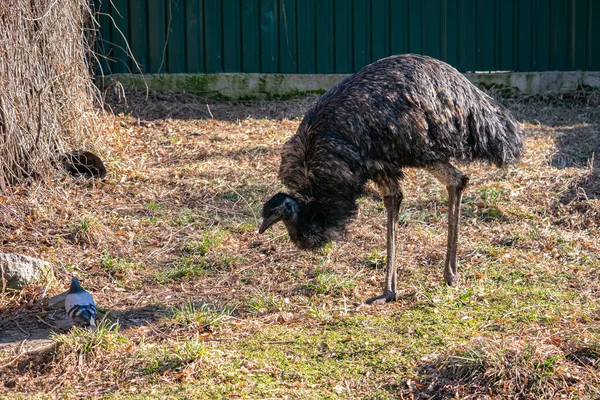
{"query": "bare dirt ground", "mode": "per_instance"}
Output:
(197, 305)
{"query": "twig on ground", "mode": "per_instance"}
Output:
(22, 330)
(280, 342)
(50, 325)
(40, 349)
(158, 331)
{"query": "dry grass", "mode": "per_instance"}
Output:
(525, 366)
(207, 308)
(46, 100)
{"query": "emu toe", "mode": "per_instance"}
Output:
(452, 279)
(382, 298)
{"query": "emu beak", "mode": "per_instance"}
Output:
(267, 222)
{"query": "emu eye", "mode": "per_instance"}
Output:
(290, 206)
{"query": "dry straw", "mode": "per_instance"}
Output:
(46, 91)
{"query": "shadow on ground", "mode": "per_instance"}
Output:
(559, 369)
(579, 147)
(575, 117)
(34, 327)
(28, 330)
(153, 106)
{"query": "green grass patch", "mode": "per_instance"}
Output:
(190, 266)
(201, 315)
(189, 217)
(158, 359)
(118, 266)
(208, 240)
(374, 259)
(154, 207)
(263, 303)
(331, 283)
(184, 267)
(105, 338)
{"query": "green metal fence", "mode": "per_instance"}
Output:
(341, 36)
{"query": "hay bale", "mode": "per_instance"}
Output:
(46, 91)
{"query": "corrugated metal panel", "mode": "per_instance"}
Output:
(194, 36)
(324, 36)
(342, 36)
(138, 37)
(593, 23)
(156, 28)
(362, 34)
(305, 15)
(250, 36)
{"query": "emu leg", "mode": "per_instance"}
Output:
(392, 205)
(456, 182)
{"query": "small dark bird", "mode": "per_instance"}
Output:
(80, 306)
(82, 163)
(399, 112)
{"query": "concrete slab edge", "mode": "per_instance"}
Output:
(242, 86)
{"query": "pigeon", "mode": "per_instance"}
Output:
(80, 306)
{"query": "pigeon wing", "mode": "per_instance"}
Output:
(81, 308)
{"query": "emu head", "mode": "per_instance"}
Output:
(310, 225)
(280, 207)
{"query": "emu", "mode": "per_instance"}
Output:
(406, 111)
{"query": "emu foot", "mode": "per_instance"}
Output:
(452, 279)
(382, 298)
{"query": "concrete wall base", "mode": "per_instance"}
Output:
(276, 86)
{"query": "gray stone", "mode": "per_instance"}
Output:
(18, 270)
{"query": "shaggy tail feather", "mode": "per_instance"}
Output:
(495, 135)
